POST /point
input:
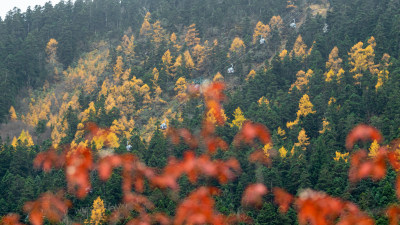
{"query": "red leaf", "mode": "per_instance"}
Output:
(362, 133)
(250, 131)
(393, 213)
(253, 195)
(11, 219)
(283, 199)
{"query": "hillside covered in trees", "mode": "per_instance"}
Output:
(100, 80)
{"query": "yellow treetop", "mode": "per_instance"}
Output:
(251, 75)
(266, 149)
(276, 22)
(188, 60)
(299, 48)
(14, 142)
(281, 133)
(283, 152)
(218, 77)
(191, 37)
(302, 140)
(334, 66)
(343, 156)
(305, 106)
(302, 80)
(13, 115)
(110, 103)
(237, 45)
(211, 118)
(146, 26)
(158, 33)
(98, 215)
(373, 149)
(260, 30)
(383, 70)
(118, 69)
(200, 53)
(180, 88)
(238, 119)
(283, 54)
(325, 126)
(128, 47)
(178, 63)
(166, 58)
(26, 138)
(51, 51)
(362, 59)
(173, 38)
(144, 89)
(263, 101)
(156, 74)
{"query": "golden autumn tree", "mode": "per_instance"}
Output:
(251, 75)
(177, 64)
(283, 54)
(98, 215)
(263, 101)
(325, 126)
(128, 48)
(51, 51)
(334, 66)
(145, 92)
(188, 60)
(218, 77)
(146, 30)
(339, 155)
(260, 30)
(200, 53)
(302, 80)
(158, 34)
(173, 40)
(302, 141)
(237, 46)
(305, 108)
(373, 149)
(266, 149)
(299, 48)
(238, 118)
(362, 59)
(118, 69)
(283, 152)
(191, 37)
(383, 73)
(180, 88)
(13, 115)
(276, 22)
(211, 118)
(167, 61)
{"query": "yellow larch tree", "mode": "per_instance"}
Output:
(180, 88)
(281, 133)
(211, 118)
(299, 48)
(200, 53)
(14, 142)
(302, 80)
(156, 75)
(260, 30)
(110, 103)
(334, 66)
(263, 101)
(188, 60)
(283, 54)
(98, 215)
(266, 149)
(238, 118)
(51, 51)
(339, 155)
(158, 33)
(218, 77)
(383, 74)
(305, 108)
(283, 152)
(251, 75)
(362, 59)
(373, 149)
(167, 61)
(13, 115)
(325, 126)
(145, 92)
(173, 40)
(302, 140)
(146, 30)
(118, 69)
(178, 63)
(25, 138)
(128, 48)
(276, 22)
(191, 37)
(237, 46)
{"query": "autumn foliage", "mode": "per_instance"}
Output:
(198, 207)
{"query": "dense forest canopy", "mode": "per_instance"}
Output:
(123, 81)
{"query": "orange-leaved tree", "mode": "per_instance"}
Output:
(198, 207)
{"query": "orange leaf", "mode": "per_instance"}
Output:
(253, 195)
(11, 219)
(283, 199)
(362, 133)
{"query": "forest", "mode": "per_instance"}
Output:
(200, 112)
